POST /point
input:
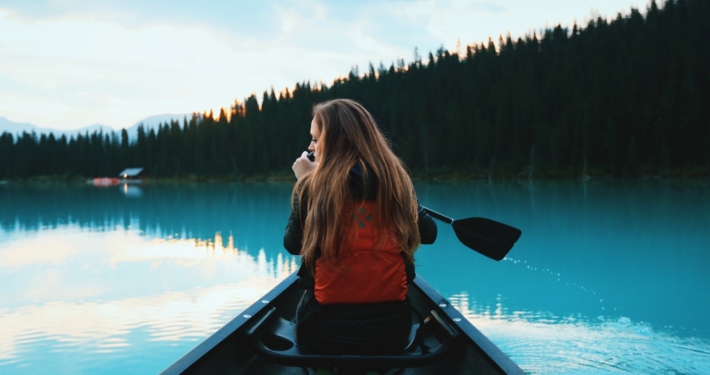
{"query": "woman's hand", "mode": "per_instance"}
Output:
(302, 165)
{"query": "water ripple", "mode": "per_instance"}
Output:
(34, 334)
(541, 345)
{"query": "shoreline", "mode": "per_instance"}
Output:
(288, 178)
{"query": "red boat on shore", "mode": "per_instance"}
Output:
(106, 181)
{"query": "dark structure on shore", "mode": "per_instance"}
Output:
(130, 173)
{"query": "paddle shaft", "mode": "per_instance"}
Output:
(439, 216)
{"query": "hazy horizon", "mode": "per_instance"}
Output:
(151, 121)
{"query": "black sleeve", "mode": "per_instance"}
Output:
(293, 237)
(427, 227)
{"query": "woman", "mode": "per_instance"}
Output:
(356, 222)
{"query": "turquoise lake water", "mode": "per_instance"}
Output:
(608, 277)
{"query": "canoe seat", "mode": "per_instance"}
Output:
(273, 339)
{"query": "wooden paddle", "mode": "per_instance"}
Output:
(488, 237)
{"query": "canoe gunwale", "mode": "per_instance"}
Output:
(490, 351)
(479, 342)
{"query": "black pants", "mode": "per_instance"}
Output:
(375, 329)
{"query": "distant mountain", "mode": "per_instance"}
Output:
(89, 129)
(152, 122)
(17, 128)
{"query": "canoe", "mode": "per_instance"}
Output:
(260, 341)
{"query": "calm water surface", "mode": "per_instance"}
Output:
(607, 277)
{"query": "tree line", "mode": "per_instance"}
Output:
(618, 97)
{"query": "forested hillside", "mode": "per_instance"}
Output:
(625, 97)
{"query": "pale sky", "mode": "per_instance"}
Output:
(67, 64)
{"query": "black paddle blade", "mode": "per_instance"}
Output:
(488, 237)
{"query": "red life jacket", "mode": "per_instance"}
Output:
(366, 275)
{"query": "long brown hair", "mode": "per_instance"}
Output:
(350, 137)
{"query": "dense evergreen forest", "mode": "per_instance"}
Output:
(623, 97)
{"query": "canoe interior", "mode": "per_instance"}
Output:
(229, 351)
